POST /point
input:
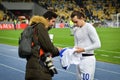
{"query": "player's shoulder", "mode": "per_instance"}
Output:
(90, 27)
(88, 24)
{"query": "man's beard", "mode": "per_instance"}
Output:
(50, 27)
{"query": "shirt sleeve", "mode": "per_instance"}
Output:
(45, 42)
(75, 40)
(92, 33)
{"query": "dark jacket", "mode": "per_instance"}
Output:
(34, 69)
(44, 40)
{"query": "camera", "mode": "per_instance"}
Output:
(47, 59)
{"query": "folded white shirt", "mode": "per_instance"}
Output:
(68, 56)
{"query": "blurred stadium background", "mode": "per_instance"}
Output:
(98, 12)
(103, 14)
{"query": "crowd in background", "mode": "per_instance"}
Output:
(95, 10)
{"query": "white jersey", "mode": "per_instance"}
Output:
(86, 37)
(68, 57)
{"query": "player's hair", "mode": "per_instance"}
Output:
(49, 15)
(78, 14)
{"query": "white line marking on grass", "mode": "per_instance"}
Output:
(104, 55)
(63, 45)
(116, 57)
(11, 68)
(9, 38)
(107, 51)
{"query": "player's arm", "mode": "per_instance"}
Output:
(94, 38)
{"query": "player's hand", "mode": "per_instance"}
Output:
(79, 50)
(59, 48)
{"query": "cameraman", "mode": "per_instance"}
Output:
(38, 67)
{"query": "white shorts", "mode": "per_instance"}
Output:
(86, 68)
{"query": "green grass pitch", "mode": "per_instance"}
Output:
(110, 41)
